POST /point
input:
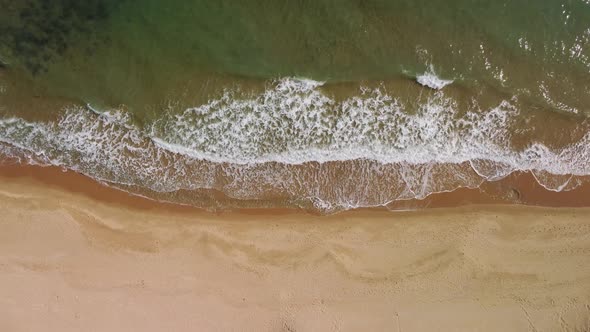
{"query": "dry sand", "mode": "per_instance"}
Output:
(71, 262)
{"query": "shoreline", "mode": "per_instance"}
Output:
(294, 166)
(516, 189)
(75, 257)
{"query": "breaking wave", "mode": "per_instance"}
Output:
(296, 144)
(431, 80)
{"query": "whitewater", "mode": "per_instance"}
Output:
(295, 142)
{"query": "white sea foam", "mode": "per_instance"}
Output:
(431, 80)
(556, 104)
(289, 140)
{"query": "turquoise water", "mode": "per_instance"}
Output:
(399, 99)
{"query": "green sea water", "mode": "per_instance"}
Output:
(140, 53)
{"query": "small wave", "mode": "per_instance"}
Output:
(304, 83)
(296, 143)
(431, 80)
(556, 104)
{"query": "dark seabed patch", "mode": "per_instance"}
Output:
(35, 32)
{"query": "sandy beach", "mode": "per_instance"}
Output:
(72, 261)
(295, 166)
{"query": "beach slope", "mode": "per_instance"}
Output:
(70, 262)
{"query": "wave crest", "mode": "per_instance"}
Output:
(296, 144)
(431, 80)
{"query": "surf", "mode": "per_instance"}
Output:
(293, 140)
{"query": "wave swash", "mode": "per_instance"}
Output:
(296, 144)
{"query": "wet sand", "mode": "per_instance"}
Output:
(75, 255)
(517, 188)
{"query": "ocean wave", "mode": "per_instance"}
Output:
(293, 142)
(431, 80)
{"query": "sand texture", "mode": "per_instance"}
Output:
(69, 262)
